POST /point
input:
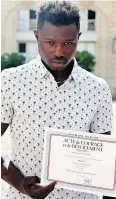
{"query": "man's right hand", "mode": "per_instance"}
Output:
(29, 187)
(26, 185)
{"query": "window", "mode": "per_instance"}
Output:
(22, 47)
(32, 14)
(91, 20)
(32, 17)
(23, 21)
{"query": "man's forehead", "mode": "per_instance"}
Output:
(51, 31)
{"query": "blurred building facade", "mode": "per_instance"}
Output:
(98, 27)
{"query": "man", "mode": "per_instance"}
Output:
(50, 91)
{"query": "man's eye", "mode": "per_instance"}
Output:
(68, 43)
(51, 43)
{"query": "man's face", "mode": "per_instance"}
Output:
(57, 45)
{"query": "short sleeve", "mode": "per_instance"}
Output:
(102, 121)
(6, 97)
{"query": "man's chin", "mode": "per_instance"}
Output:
(57, 66)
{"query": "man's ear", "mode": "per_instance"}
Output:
(36, 34)
(79, 34)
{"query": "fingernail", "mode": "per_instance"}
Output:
(54, 182)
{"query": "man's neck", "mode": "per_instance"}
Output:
(62, 75)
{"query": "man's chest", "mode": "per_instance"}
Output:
(63, 107)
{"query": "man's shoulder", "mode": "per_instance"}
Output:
(20, 70)
(91, 79)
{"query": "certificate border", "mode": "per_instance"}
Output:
(59, 135)
(77, 134)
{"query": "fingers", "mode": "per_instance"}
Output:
(37, 187)
(31, 180)
(49, 189)
(37, 191)
(38, 180)
(42, 192)
(46, 193)
(50, 185)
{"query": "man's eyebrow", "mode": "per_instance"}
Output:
(47, 38)
(70, 39)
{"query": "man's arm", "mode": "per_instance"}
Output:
(108, 197)
(107, 133)
(9, 172)
(3, 128)
(102, 122)
(6, 172)
(26, 185)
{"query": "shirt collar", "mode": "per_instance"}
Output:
(74, 73)
(44, 71)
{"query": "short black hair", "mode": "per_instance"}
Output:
(59, 13)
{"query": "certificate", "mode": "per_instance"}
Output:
(80, 161)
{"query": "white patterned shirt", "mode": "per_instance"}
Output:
(32, 100)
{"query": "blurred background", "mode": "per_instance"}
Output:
(97, 45)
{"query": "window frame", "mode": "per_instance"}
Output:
(19, 43)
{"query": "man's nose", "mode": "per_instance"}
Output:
(59, 51)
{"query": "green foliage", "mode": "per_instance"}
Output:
(11, 60)
(86, 60)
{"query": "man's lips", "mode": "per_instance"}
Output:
(58, 61)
